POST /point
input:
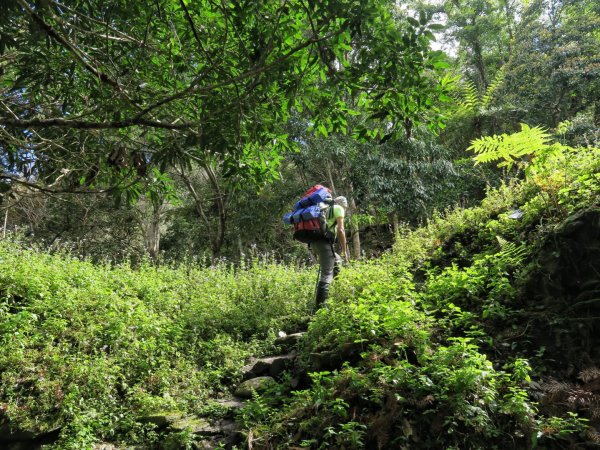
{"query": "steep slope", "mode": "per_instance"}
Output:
(477, 331)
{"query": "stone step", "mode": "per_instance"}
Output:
(223, 433)
(230, 405)
(289, 341)
(226, 441)
(258, 384)
(333, 359)
(195, 425)
(272, 366)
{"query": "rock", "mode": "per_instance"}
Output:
(274, 366)
(227, 435)
(195, 425)
(104, 446)
(259, 384)
(231, 403)
(161, 420)
(281, 363)
(255, 369)
(333, 359)
(289, 341)
(325, 360)
(7, 434)
(564, 282)
(229, 426)
(295, 382)
(221, 408)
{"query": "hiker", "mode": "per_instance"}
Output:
(329, 261)
(318, 220)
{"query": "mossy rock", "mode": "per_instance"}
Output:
(161, 419)
(195, 425)
(259, 385)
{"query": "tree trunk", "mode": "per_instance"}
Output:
(356, 250)
(395, 223)
(331, 184)
(240, 247)
(220, 204)
(5, 222)
(216, 236)
(477, 56)
(153, 232)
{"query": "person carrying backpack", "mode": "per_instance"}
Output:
(318, 220)
(330, 262)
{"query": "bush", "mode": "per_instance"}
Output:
(89, 347)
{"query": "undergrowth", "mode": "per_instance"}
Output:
(437, 365)
(91, 349)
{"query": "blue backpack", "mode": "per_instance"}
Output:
(310, 215)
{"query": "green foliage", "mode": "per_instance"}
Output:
(425, 320)
(167, 90)
(564, 82)
(93, 348)
(361, 309)
(510, 148)
(485, 287)
(472, 103)
(566, 177)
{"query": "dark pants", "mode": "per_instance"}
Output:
(330, 263)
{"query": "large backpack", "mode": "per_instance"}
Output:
(310, 216)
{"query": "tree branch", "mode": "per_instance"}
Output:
(195, 89)
(124, 37)
(47, 190)
(81, 56)
(57, 122)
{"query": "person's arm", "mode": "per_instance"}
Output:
(341, 232)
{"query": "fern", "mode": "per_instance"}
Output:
(471, 102)
(512, 254)
(589, 374)
(470, 98)
(510, 147)
(488, 95)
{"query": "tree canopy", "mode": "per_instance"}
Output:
(95, 94)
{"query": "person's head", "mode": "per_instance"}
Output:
(342, 201)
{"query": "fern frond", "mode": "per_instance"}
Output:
(510, 147)
(589, 374)
(469, 101)
(511, 255)
(556, 387)
(501, 241)
(488, 96)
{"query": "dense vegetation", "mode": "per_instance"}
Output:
(91, 349)
(148, 151)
